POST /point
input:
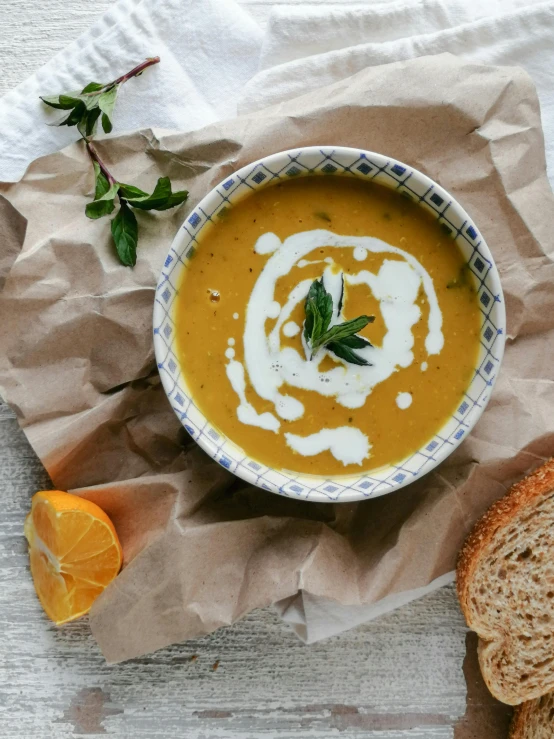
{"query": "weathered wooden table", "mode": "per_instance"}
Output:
(398, 677)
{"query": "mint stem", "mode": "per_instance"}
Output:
(95, 156)
(139, 69)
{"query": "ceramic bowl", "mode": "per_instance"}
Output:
(328, 161)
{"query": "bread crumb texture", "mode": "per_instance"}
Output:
(505, 583)
(534, 719)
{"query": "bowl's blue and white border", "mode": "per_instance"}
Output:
(327, 160)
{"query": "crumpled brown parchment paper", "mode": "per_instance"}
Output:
(77, 365)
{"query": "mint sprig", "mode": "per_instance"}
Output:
(341, 339)
(124, 225)
(96, 102)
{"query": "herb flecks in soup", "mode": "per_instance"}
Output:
(337, 342)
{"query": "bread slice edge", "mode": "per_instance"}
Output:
(499, 516)
(520, 495)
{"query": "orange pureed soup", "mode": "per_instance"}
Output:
(267, 341)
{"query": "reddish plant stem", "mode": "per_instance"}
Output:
(139, 69)
(136, 70)
(93, 153)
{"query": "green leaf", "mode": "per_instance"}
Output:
(355, 342)
(106, 124)
(99, 208)
(319, 310)
(106, 103)
(92, 87)
(341, 296)
(175, 199)
(102, 184)
(315, 322)
(325, 304)
(161, 199)
(103, 205)
(111, 193)
(82, 124)
(90, 101)
(71, 101)
(75, 117)
(52, 100)
(55, 101)
(130, 192)
(308, 308)
(125, 235)
(84, 111)
(341, 339)
(87, 106)
(343, 330)
(340, 349)
(88, 123)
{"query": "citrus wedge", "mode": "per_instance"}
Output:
(74, 552)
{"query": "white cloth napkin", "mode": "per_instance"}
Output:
(209, 49)
(306, 47)
(211, 52)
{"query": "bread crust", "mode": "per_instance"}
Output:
(522, 716)
(532, 719)
(499, 515)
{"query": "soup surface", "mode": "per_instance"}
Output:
(260, 378)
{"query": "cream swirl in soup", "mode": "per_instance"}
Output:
(241, 318)
(270, 367)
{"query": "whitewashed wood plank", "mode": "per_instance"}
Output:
(32, 32)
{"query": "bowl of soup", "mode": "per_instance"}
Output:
(329, 324)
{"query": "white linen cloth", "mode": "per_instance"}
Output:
(209, 50)
(216, 60)
(307, 47)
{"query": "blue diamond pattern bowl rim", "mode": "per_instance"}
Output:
(329, 161)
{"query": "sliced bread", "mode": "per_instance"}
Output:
(505, 583)
(534, 719)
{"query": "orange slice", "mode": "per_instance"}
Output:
(74, 551)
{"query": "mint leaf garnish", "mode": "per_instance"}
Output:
(319, 311)
(341, 338)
